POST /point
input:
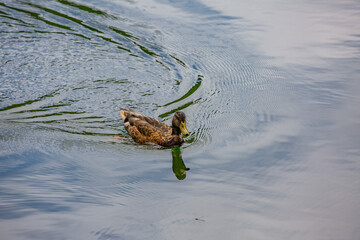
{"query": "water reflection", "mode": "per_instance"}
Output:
(265, 135)
(178, 165)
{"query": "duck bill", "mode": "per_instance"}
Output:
(183, 129)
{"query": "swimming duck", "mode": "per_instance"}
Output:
(145, 129)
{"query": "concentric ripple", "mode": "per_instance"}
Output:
(77, 64)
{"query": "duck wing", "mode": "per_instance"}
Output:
(144, 129)
(127, 114)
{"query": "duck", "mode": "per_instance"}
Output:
(145, 130)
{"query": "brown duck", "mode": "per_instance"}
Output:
(145, 129)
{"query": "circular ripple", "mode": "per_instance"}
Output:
(103, 61)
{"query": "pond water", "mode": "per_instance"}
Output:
(271, 95)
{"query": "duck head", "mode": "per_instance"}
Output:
(179, 124)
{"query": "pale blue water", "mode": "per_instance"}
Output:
(271, 94)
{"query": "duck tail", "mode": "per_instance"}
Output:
(127, 113)
(123, 113)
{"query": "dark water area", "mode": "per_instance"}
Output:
(271, 95)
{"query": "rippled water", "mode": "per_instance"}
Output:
(271, 96)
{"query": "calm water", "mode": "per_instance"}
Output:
(271, 94)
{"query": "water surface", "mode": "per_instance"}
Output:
(270, 92)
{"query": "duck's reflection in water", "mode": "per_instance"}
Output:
(178, 164)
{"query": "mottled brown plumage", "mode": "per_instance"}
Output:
(144, 129)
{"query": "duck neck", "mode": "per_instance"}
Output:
(175, 131)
